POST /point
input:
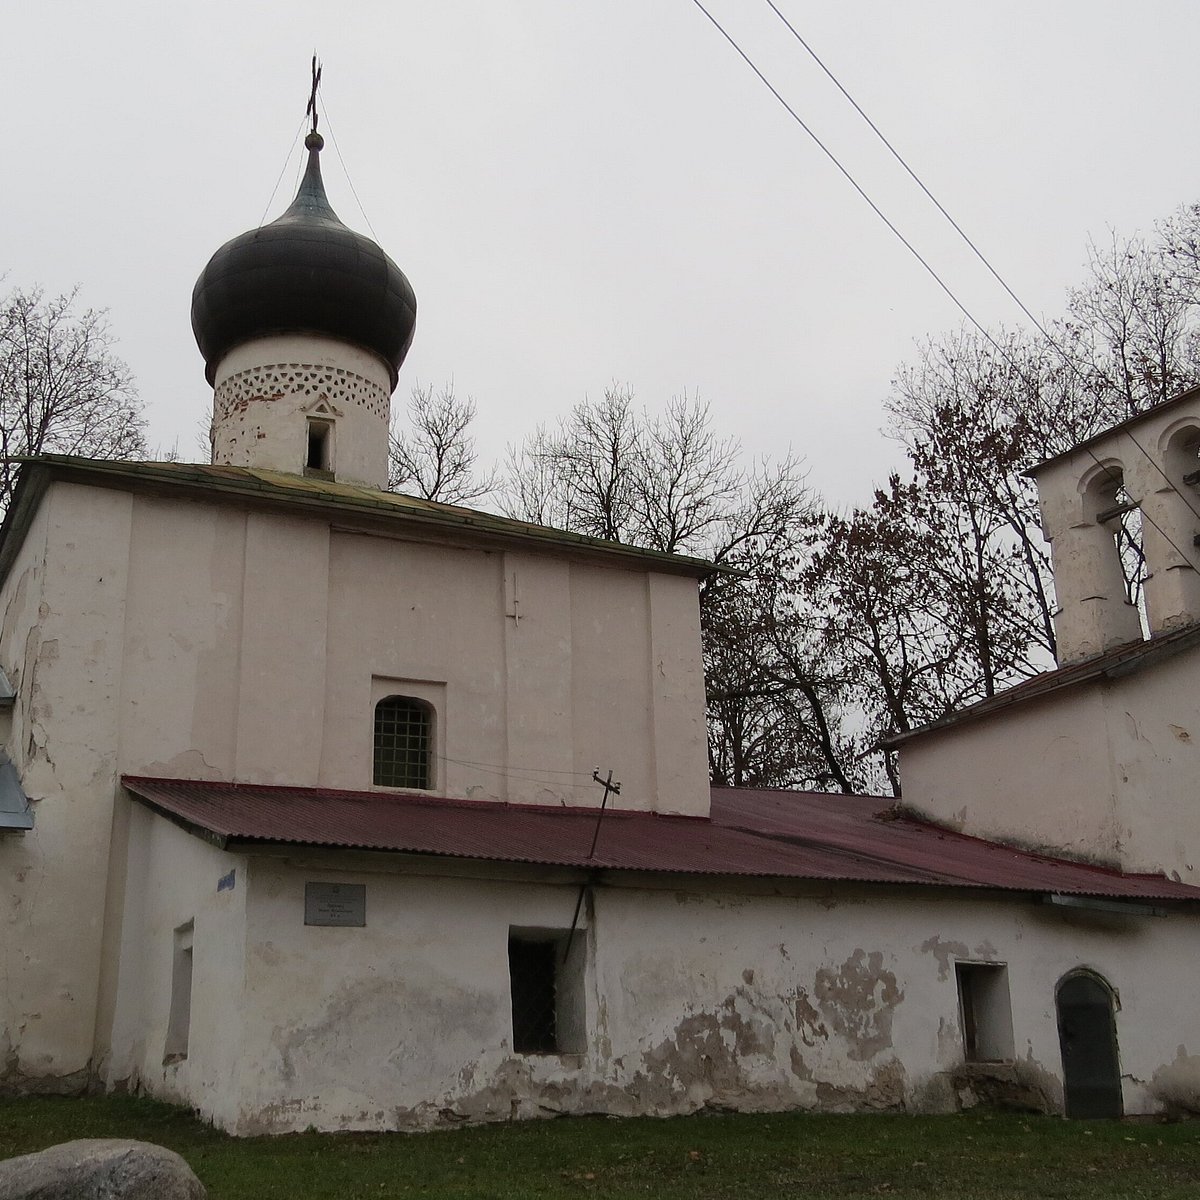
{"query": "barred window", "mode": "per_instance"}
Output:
(546, 970)
(403, 743)
(533, 976)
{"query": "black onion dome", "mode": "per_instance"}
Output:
(304, 273)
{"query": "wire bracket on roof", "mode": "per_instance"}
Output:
(610, 788)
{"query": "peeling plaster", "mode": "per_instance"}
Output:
(858, 1000)
(885, 1090)
(809, 1027)
(945, 953)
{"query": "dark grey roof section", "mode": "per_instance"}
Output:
(15, 814)
(1112, 664)
(7, 695)
(305, 272)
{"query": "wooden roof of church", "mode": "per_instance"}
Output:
(750, 833)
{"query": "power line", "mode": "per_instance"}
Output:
(346, 170)
(467, 762)
(282, 169)
(846, 173)
(915, 177)
(1053, 341)
(913, 250)
(505, 773)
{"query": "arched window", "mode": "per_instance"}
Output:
(403, 743)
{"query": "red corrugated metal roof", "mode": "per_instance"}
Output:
(773, 834)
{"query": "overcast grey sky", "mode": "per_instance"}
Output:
(583, 192)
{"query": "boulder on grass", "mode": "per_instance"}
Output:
(100, 1169)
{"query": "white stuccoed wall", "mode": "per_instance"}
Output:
(1103, 770)
(836, 999)
(172, 879)
(265, 390)
(158, 636)
(263, 671)
(62, 646)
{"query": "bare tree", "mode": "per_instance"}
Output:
(669, 482)
(1132, 324)
(62, 389)
(970, 603)
(582, 475)
(436, 457)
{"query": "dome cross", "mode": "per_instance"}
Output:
(311, 110)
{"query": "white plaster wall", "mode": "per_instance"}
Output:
(1039, 773)
(266, 390)
(62, 642)
(1153, 725)
(172, 879)
(148, 635)
(756, 1002)
(1104, 770)
(254, 644)
(184, 617)
(533, 704)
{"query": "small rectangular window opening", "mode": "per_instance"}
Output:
(403, 743)
(986, 1011)
(318, 456)
(180, 1018)
(547, 991)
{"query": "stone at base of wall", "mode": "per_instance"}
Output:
(14, 1084)
(1016, 1086)
(100, 1169)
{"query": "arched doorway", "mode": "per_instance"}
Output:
(1087, 1034)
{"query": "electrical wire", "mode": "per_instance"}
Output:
(1053, 341)
(338, 151)
(829, 154)
(900, 159)
(467, 762)
(282, 169)
(985, 333)
(504, 773)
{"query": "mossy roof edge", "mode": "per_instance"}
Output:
(327, 497)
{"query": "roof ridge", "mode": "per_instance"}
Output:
(409, 797)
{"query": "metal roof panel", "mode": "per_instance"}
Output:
(770, 834)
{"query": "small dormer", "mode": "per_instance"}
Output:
(1150, 463)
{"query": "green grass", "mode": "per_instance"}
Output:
(798, 1156)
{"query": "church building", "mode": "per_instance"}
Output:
(327, 807)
